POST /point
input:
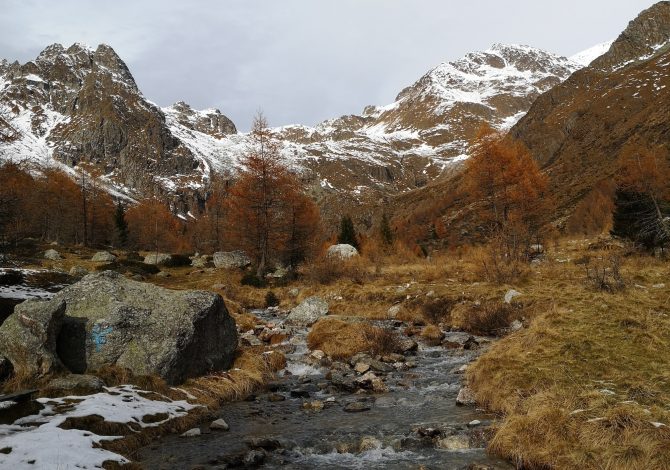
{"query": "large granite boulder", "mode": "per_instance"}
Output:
(308, 312)
(342, 251)
(28, 337)
(148, 329)
(231, 259)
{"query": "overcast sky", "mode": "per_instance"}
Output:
(301, 61)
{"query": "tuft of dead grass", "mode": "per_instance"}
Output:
(329, 270)
(341, 339)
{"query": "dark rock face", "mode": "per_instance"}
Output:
(641, 38)
(106, 319)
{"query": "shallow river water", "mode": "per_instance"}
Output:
(397, 432)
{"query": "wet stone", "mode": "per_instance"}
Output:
(299, 394)
(265, 443)
(357, 407)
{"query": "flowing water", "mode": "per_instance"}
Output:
(399, 430)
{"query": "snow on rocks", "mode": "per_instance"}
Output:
(37, 441)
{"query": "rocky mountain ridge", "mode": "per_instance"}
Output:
(82, 105)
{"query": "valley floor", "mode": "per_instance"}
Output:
(578, 379)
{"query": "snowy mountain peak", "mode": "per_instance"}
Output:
(592, 53)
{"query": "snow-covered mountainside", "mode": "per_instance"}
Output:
(82, 104)
(406, 143)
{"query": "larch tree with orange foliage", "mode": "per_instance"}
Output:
(509, 193)
(267, 210)
(151, 226)
(643, 198)
(504, 180)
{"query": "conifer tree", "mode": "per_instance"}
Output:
(385, 230)
(347, 233)
(120, 225)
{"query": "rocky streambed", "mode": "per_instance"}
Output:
(397, 411)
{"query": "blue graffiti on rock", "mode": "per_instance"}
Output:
(99, 334)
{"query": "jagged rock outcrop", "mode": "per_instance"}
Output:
(82, 105)
(207, 121)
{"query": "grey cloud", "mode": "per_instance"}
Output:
(302, 61)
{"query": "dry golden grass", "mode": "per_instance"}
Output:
(432, 334)
(342, 339)
(251, 370)
(582, 385)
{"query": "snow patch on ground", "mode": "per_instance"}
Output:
(37, 441)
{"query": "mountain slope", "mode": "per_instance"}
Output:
(620, 103)
(82, 104)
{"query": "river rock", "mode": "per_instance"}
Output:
(356, 407)
(342, 251)
(370, 381)
(393, 358)
(194, 432)
(454, 443)
(78, 271)
(254, 458)
(111, 320)
(315, 405)
(52, 255)
(219, 425)
(369, 443)
(308, 312)
(471, 344)
(317, 354)
(103, 257)
(516, 325)
(159, 259)
(362, 367)
(407, 345)
(393, 311)
(266, 443)
(465, 397)
(231, 259)
(28, 337)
